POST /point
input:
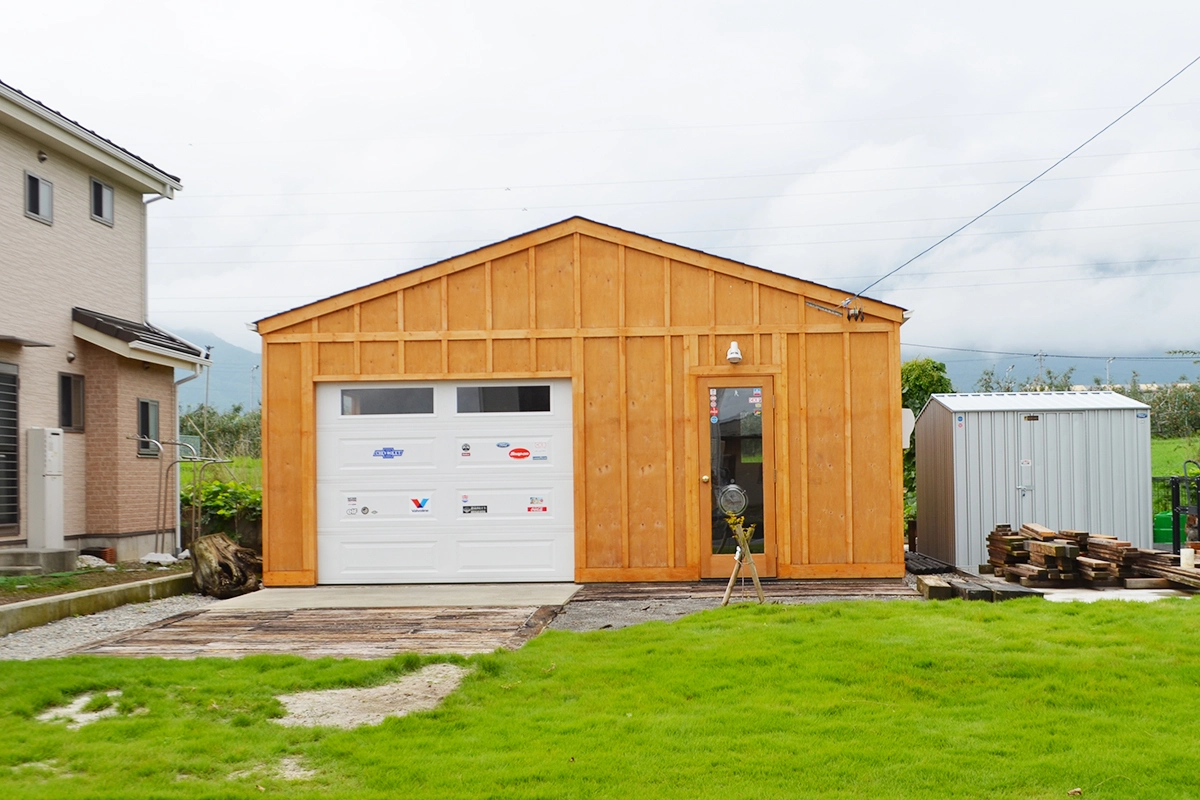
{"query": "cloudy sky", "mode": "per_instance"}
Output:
(327, 145)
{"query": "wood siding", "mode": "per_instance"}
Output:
(635, 323)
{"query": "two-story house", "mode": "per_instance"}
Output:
(77, 352)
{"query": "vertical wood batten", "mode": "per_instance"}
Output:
(669, 441)
(487, 315)
(691, 438)
(802, 394)
(622, 377)
(308, 459)
(846, 416)
(579, 419)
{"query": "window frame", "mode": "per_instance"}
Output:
(458, 409)
(78, 416)
(112, 199)
(151, 430)
(46, 191)
(342, 413)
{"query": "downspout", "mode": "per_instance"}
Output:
(179, 472)
(146, 261)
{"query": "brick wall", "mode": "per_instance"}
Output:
(123, 487)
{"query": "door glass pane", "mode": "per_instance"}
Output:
(736, 453)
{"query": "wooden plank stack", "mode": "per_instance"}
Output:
(1050, 559)
(1156, 564)
(1005, 547)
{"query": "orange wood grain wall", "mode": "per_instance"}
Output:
(633, 322)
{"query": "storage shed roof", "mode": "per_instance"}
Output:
(1036, 401)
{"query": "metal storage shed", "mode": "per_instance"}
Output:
(1066, 460)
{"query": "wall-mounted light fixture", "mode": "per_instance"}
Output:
(42, 156)
(70, 357)
(734, 355)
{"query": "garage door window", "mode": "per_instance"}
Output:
(503, 399)
(390, 400)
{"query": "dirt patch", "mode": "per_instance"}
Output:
(14, 590)
(74, 715)
(351, 708)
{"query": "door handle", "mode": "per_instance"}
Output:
(704, 479)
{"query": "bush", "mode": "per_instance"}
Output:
(223, 504)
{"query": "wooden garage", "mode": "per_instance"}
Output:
(581, 402)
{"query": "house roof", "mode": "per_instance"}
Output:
(140, 339)
(43, 124)
(575, 224)
(1036, 401)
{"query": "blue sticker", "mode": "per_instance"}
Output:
(503, 444)
(388, 452)
(713, 419)
(1143, 414)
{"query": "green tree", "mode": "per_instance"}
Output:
(919, 378)
(225, 434)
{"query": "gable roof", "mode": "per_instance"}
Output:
(559, 230)
(43, 124)
(1036, 401)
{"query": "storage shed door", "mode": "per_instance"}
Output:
(444, 482)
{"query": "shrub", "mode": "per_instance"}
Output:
(223, 504)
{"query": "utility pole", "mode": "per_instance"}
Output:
(207, 372)
(1107, 379)
(253, 370)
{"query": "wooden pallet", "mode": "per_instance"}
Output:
(340, 633)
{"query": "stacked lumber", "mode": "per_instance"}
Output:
(1005, 547)
(1097, 573)
(1156, 564)
(1034, 531)
(1108, 563)
(1051, 560)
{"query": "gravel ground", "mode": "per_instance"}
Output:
(594, 615)
(51, 640)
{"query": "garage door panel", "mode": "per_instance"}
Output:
(351, 510)
(509, 453)
(386, 455)
(378, 559)
(530, 505)
(534, 557)
(444, 496)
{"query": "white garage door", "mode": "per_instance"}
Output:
(444, 482)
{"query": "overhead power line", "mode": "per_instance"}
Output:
(672, 201)
(1045, 355)
(648, 181)
(1028, 183)
(678, 232)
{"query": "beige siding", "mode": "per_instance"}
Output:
(47, 270)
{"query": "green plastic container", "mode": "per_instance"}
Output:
(1162, 527)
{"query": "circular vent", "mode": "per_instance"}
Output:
(732, 499)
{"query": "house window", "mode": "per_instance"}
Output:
(147, 427)
(102, 202)
(70, 402)
(503, 399)
(39, 199)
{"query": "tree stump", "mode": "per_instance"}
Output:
(222, 569)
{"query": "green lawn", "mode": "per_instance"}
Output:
(1025, 699)
(243, 470)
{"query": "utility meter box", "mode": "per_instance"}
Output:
(45, 470)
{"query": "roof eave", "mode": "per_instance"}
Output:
(44, 126)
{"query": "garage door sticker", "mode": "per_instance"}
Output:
(420, 505)
(519, 452)
(388, 452)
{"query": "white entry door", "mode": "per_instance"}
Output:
(444, 482)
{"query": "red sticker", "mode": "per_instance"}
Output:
(518, 452)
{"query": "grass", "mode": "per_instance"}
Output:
(14, 589)
(1167, 455)
(1025, 699)
(243, 469)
